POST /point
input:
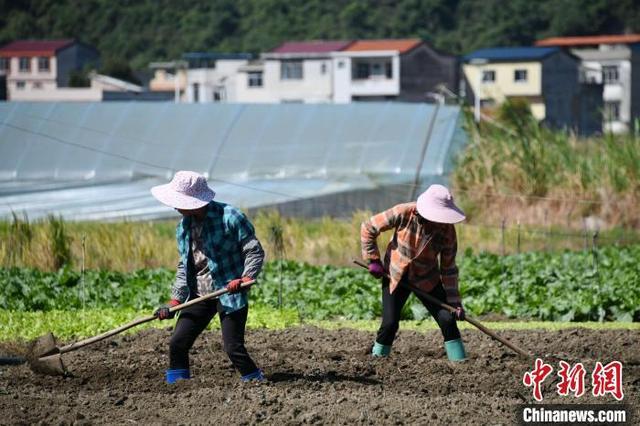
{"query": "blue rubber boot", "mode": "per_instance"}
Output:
(173, 376)
(256, 375)
(455, 350)
(380, 350)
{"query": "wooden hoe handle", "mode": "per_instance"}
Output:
(451, 309)
(94, 339)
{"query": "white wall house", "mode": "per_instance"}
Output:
(362, 75)
(614, 61)
(612, 68)
(334, 71)
(322, 72)
(212, 77)
(292, 72)
(40, 70)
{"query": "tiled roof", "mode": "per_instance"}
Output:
(317, 46)
(34, 47)
(511, 53)
(590, 40)
(401, 45)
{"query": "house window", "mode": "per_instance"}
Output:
(323, 68)
(488, 76)
(20, 85)
(43, 63)
(376, 69)
(610, 74)
(612, 111)
(37, 85)
(520, 76)
(25, 64)
(291, 70)
(254, 79)
(362, 71)
(4, 64)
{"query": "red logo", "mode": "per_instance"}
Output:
(607, 379)
(536, 377)
(571, 379)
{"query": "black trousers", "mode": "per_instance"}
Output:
(392, 304)
(194, 319)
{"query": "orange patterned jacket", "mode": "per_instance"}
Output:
(414, 249)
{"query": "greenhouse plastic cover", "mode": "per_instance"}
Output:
(97, 161)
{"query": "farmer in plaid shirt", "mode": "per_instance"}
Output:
(218, 249)
(423, 232)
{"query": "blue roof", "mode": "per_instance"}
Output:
(511, 53)
(216, 55)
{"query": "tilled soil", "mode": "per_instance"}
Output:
(314, 376)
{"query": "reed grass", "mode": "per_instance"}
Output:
(127, 246)
(517, 169)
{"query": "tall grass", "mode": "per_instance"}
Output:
(60, 242)
(550, 177)
(127, 246)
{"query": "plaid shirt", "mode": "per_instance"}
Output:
(225, 228)
(414, 249)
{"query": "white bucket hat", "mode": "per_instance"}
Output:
(186, 191)
(436, 204)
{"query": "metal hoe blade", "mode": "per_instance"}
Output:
(44, 356)
(51, 365)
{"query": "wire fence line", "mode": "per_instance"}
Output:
(506, 240)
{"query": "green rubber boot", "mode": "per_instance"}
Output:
(455, 350)
(380, 350)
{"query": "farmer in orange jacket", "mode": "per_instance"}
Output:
(423, 232)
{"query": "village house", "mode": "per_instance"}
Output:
(41, 70)
(548, 78)
(211, 77)
(614, 61)
(295, 71)
(403, 70)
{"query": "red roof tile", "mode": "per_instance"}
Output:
(33, 47)
(317, 46)
(401, 45)
(590, 40)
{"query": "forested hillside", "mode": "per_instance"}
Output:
(140, 31)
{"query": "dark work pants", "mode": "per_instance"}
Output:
(392, 306)
(194, 319)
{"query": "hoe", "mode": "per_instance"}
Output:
(44, 355)
(470, 320)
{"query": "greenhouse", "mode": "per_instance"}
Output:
(97, 161)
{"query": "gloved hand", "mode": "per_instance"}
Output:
(376, 269)
(163, 311)
(459, 314)
(234, 285)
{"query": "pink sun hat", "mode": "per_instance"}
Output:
(436, 204)
(186, 191)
